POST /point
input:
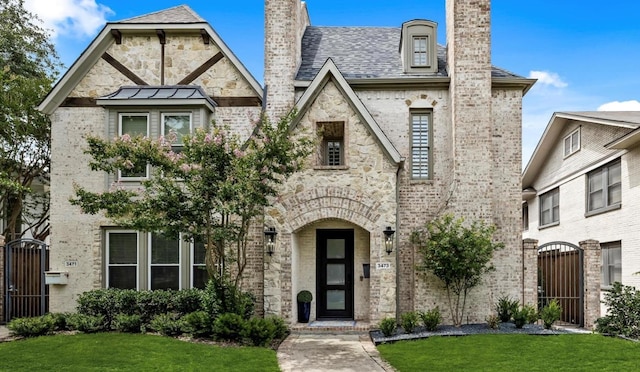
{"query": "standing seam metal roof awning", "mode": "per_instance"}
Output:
(158, 95)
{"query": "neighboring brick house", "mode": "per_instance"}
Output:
(583, 182)
(410, 130)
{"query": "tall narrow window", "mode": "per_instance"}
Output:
(611, 263)
(332, 148)
(164, 271)
(174, 127)
(572, 142)
(605, 187)
(420, 57)
(122, 259)
(550, 207)
(134, 125)
(525, 216)
(420, 145)
(199, 275)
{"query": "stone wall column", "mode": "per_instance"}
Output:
(592, 266)
(530, 271)
(2, 271)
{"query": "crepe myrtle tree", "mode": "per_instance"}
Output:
(458, 254)
(210, 191)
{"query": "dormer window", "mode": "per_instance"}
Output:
(418, 47)
(420, 50)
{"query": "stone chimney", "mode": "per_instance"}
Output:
(284, 24)
(469, 67)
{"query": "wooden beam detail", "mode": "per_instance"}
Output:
(79, 102)
(123, 69)
(237, 101)
(205, 36)
(117, 35)
(201, 70)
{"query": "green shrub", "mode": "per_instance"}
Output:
(281, 330)
(623, 317)
(409, 321)
(532, 313)
(197, 324)
(153, 303)
(506, 307)
(431, 319)
(228, 327)
(221, 296)
(304, 296)
(388, 326)
(258, 331)
(187, 301)
(59, 321)
(550, 313)
(127, 323)
(520, 317)
(32, 327)
(87, 323)
(167, 324)
(493, 321)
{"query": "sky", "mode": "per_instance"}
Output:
(585, 54)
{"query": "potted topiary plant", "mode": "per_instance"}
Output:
(304, 306)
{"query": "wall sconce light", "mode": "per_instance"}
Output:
(270, 240)
(388, 239)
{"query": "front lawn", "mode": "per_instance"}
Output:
(130, 352)
(514, 353)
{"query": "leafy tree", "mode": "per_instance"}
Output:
(458, 255)
(28, 67)
(210, 191)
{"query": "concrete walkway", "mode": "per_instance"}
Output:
(330, 352)
(4, 332)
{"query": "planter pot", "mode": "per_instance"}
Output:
(304, 311)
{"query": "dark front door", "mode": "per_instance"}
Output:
(335, 274)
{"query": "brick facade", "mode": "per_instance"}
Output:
(475, 168)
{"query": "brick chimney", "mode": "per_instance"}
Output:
(284, 24)
(469, 67)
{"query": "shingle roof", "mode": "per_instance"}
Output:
(629, 118)
(178, 14)
(363, 52)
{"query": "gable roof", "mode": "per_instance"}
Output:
(621, 119)
(369, 53)
(178, 14)
(180, 18)
(329, 72)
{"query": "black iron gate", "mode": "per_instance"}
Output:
(26, 294)
(561, 277)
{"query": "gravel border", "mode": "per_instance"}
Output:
(468, 329)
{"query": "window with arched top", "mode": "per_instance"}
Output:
(418, 46)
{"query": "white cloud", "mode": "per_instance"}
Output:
(548, 78)
(632, 105)
(70, 17)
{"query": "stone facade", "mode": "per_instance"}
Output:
(474, 166)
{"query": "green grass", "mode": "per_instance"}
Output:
(130, 352)
(514, 353)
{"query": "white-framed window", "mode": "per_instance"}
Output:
(572, 142)
(332, 150)
(164, 262)
(122, 259)
(174, 127)
(604, 187)
(611, 263)
(421, 145)
(199, 274)
(550, 207)
(134, 124)
(420, 51)
(525, 216)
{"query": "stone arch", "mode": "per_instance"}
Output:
(324, 203)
